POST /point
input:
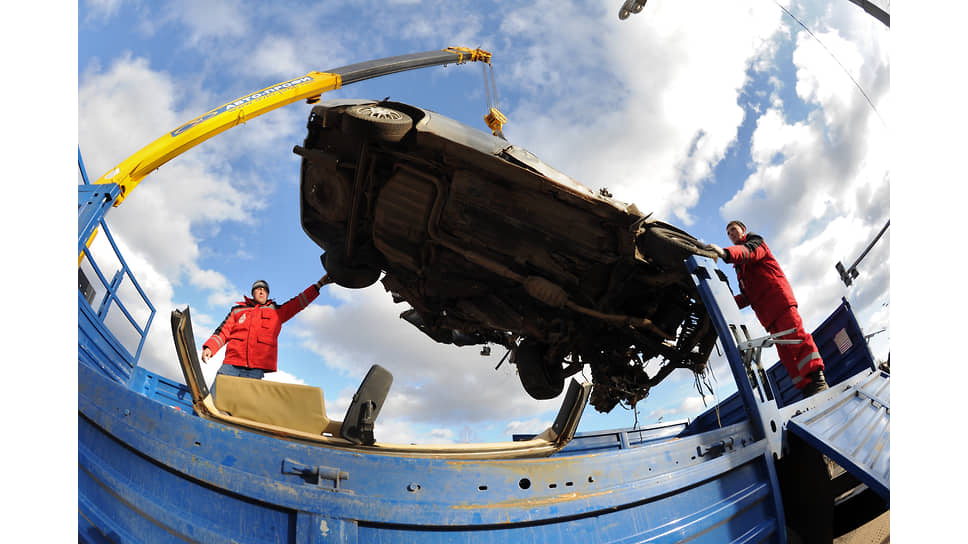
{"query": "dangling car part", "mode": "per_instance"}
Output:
(488, 244)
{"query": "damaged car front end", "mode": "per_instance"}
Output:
(489, 245)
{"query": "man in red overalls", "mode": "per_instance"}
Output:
(251, 330)
(763, 286)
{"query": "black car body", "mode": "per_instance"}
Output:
(489, 245)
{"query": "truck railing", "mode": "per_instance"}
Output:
(93, 202)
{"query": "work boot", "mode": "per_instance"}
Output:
(817, 384)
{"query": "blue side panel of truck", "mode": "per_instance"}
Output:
(148, 472)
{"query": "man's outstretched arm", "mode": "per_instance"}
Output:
(299, 302)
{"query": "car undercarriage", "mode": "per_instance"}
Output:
(489, 245)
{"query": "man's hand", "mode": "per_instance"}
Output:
(718, 250)
(206, 355)
(325, 280)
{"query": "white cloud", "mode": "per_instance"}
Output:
(649, 104)
(696, 404)
(284, 377)
(210, 19)
(688, 408)
(530, 426)
(432, 382)
(397, 431)
(277, 55)
(100, 9)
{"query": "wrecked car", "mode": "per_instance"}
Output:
(487, 244)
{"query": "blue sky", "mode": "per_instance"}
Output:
(697, 114)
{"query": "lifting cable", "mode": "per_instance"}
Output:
(494, 119)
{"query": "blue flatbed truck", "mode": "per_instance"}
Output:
(159, 462)
(154, 466)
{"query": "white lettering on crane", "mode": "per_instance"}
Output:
(239, 102)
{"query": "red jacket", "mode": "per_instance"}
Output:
(762, 283)
(250, 331)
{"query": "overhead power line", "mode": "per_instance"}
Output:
(842, 67)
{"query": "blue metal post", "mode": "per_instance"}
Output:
(731, 327)
(93, 201)
(80, 164)
(111, 295)
(753, 388)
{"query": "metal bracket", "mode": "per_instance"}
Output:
(752, 351)
(766, 341)
(716, 449)
(315, 475)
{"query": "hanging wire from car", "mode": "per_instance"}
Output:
(499, 363)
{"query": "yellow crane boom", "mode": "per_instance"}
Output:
(309, 87)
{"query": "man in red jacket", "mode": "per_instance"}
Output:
(251, 330)
(763, 286)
